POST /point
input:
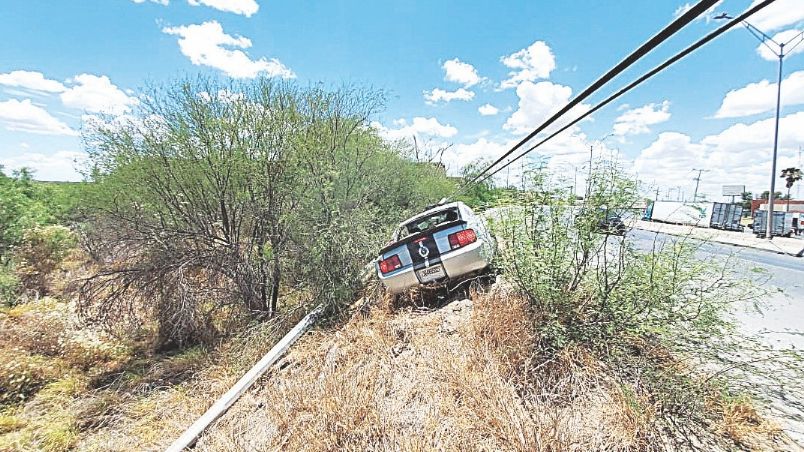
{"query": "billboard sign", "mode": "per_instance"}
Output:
(733, 190)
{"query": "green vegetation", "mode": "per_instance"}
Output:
(480, 195)
(218, 213)
(643, 316)
(592, 286)
(215, 199)
(28, 212)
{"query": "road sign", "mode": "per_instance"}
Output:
(733, 190)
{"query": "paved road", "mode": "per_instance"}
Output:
(782, 323)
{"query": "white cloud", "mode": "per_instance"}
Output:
(59, 166)
(786, 37)
(418, 127)
(223, 95)
(779, 14)
(31, 80)
(488, 110)
(537, 102)
(97, 94)
(565, 156)
(529, 64)
(760, 97)
(24, 116)
(669, 161)
(638, 120)
(462, 154)
(206, 45)
(739, 154)
(457, 71)
(243, 7)
(438, 95)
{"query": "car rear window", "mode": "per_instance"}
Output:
(430, 221)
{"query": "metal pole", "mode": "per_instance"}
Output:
(697, 181)
(189, 437)
(775, 145)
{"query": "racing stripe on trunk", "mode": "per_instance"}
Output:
(424, 252)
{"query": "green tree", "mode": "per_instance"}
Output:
(746, 198)
(23, 205)
(791, 176)
(776, 195)
(479, 195)
(219, 197)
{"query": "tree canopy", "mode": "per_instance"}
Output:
(221, 195)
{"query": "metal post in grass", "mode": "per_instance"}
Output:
(190, 436)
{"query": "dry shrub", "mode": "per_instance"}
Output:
(21, 375)
(40, 254)
(503, 322)
(454, 378)
(150, 403)
(424, 379)
(49, 328)
(36, 327)
(741, 422)
(47, 422)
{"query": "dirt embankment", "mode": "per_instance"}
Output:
(448, 378)
(458, 376)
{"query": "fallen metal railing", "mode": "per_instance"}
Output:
(190, 436)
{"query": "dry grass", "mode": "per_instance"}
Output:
(148, 406)
(446, 379)
(740, 421)
(460, 377)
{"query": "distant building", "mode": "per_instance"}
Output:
(779, 205)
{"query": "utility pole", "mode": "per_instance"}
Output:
(798, 186)
(522, 176)
(764, 38)
(589, 179)
(769, 231)
(697, 181)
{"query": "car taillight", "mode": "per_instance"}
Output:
(462, 238)
(390, 264)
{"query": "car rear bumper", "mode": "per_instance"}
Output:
(456, 263)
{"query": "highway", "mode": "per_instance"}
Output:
(782, 322)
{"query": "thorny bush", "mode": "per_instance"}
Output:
(589, 284)
(214, 199)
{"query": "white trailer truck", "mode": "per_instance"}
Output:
(689, 213)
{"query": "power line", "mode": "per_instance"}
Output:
(637, 82)
(652, 43)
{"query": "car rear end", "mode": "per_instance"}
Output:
(433, 256)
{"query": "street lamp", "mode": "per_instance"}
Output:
(764, 38)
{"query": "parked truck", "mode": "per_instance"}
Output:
(689, 213)
(782, 224)
(726, 216)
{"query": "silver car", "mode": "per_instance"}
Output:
(443, 244)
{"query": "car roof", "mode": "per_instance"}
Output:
(439, 208)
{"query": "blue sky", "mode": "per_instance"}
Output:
(441, 61)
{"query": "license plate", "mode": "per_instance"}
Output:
(431, 274)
